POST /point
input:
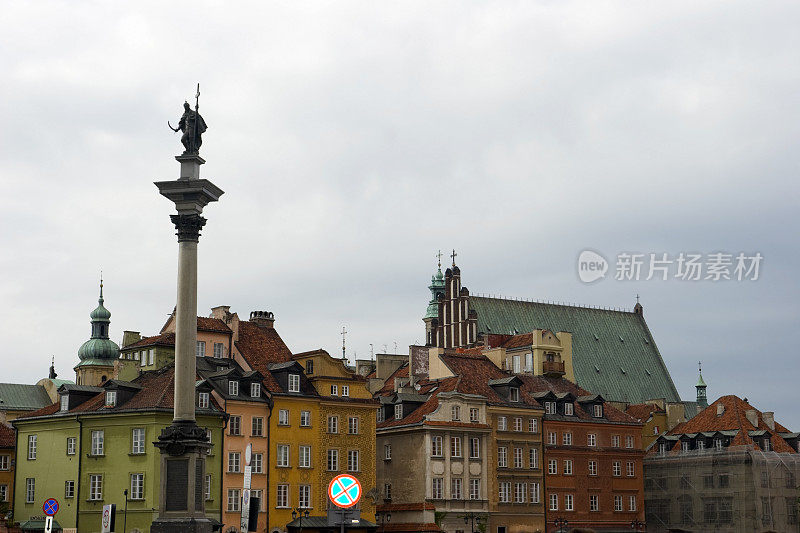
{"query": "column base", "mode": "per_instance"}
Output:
(182, 525)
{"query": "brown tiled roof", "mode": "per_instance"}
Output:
(262, 347)
(388, 385)
(44, 411)
(418, 415)
(164, 339)
(158, 391)
(205, 323)
(7, 439)
(733, 418)
(642, 411)
(518, 341)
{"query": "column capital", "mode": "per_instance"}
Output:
(188, 226)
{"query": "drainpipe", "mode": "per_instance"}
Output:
(222, 464)
(270, 404)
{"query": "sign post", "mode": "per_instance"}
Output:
(107, 520)
(50, 508)
(345, 492)
(248, 476)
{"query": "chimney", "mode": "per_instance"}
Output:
(262, 319)
(752, 416)
(769, 419)
(222, 312)
(129, 337)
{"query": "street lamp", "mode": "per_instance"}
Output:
(471, 518)
(637, 526)
(383, 517)
(561, 523)
(125, 515)
(299, 511)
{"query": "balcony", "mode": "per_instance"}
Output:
(553, 368)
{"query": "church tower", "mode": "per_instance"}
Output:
(99, 353)
(437, 289)
(455, 325)
(702, 400)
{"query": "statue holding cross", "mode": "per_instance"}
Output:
(192, 125)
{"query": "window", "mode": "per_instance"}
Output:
(474, 415)
(345, 390)
(218, 350)
(334, 390)
(701, 445)
(567, 467)
(333, 460)
(235, 425)
(333, 424)
(505, 491)
(97, 442)
(513, 394)
(137, 487)
(533, 458)
(380, 416)
(630, 469)
(502, 423)
(520, 492)
(137, 440)
(616, 468)
(591, 439)
(310, 366)
(65, 402)
(475, 448)
(4, 462)
(724, 481)
(352, 425)
(569, 505)
(208, 438)
(257, 462)
(597, 410)
(260, 495)
(629, 441)
(549, 408)
(533, 425)
(685, 446)
(455, 446)
(594, 502)
(554, 502)
(534, 492)
(71, 446)
(398, 411)
(152, 356)
(767, 446)
(474, 489)
(617, 503)
(353, 463)
(30, 490)
(304, 496)
(662, 448)
(552, 466)
(234, 500)
(202, 400)
(69, 488)
(592, 468)
(764, 479)
(566, 438)
(32, 441)
(304, 457)
(791, 511)
(257, 426)
(502, 457)
(387, 451)
(455, 488)
(552, 438)
(283, 417)
(455, 412)
(233, 388)
(283, 455)
(305, 419)
(201, 349)
(631, 503)
(294, 382)
(436, 446)
(436, 488)
(615, 441)
(528, 362)
(517, 424)
(235, 462)
(282, 495)
(255, 390)
(518, 458)
(387, 491)
(568, 410)
(95, 487)
(516, 364)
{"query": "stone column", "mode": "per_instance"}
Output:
(183, 444)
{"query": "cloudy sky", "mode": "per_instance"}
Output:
(354, 140)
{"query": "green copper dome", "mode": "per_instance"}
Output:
(436, 287)
(99, 350)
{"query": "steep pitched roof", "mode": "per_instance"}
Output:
(261, 347)
(164, 339)
(19, 397)
(6, 436)
(388, 385)
(430, 405)
(642, 411)
(613, 352)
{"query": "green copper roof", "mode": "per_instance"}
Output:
(436, 287)
(15, 396)
(613, 352)
(99, 350)
(700, 382)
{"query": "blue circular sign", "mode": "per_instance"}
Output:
(50, 506)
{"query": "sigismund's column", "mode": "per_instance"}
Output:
(183, 444)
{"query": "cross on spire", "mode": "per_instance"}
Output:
(700, 366)
(439, 256)
(637, 298)
(344, 333)
(453, 255)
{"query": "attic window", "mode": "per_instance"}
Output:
(310, 366)
(255, 390)
(233, 388)
(111, 398)
(202, 400)
(720, 409)
(513, 394)
(398, 411)
(597, 410)
(294, 382)
(568, 408)
(65, 402)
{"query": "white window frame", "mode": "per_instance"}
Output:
(502, 423)
(305, 419)
(137, 441)
(597, 410)
(258, 463)
(569, 504)
(64, 402)
(553, 502)
(387, 452)
(98, 442)
(533, 425)
(203, 399)
(592, 468)
(594, 503)
(617, 503)
(552, 467)
(30, 490)
(219, 350)
(474, 415)
(235, 425)
(234, 500)
(566, 438)
(333, 424)
(33, 441)
(533, 458)
(201, 349)
(304, 496)
(304, 456)
(353, 461)
(69, 488)
(294, 382)
(334, 390)
(255, 390)
(283, 459)
(518, 461)
(568, 410)
(345, 390)
(398, 411)
(616, 469)
(475, 489)
(234, 462)
(591, 439)
(333, 460)
(502, 457)
(630, 469)
(475, 448)
(535, 492)
(233, 388)
(282, 496)
(456, 488)
(137, 486)
(95, 487)
(283, 417)
(257, 426)
(455, 413)
(455, 446)
(567, 467)
(207, 487)
(72, 445)
(437, 489)
(436, 446)
(352, 425)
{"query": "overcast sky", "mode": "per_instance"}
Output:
(354, 140)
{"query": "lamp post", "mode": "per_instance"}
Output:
(636, 525)
(298, 511)
(383, 517)
(561, 523)
(125, 514)
(471, 518)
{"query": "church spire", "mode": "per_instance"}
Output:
(702, 400)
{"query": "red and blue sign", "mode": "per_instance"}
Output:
(50, 506)
(344, 491)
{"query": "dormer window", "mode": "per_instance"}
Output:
(597, 410)
(767, 445)
(398, 411)
(474, 414)
(456, 412)
(202, 400)
(233, 388)
(111, 398)
(255, 390)
(568, 409)
(513, 394)
(65, 402)
(662, 448)
(685, 446)
(550, 408)
(294, 382)
(717, 444)
(310, 366)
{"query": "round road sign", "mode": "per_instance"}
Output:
(344, 491)
(50, 506)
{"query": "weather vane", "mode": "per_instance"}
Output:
(192, 125)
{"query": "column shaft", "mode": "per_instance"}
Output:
(186, 332)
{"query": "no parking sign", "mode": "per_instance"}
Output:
(344, 491)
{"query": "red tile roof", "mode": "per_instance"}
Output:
(205, 323)
(518, 341)
(164, 339)
(262, 347)
(7, 439)
(388, 385)
(430, 405)
(44, 411)
(642, 411)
